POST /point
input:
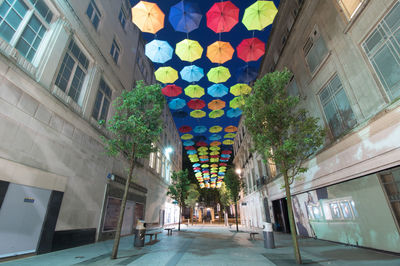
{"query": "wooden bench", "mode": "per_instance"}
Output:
(169, 231)
(253, 235)
(151, 234)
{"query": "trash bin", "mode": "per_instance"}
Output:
(268, 233)
(140, 234)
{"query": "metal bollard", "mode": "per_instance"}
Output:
(268, 233)
(140, 234)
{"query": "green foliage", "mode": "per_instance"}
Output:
(193, 195)
(279, 129)
(224, 196)
(137, 122)
(178, 190)
(234, 184)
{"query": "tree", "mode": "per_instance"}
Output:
(225, 200)
(134, 127)
(192, 198)
(282, 132)
(234, 185)
(178, 190)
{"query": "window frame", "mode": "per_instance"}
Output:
(95, 11)
(315, 32)
(125, 17)
(117, 47)
(104, 96)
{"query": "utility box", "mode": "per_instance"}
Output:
(268, 233)
(140, 234)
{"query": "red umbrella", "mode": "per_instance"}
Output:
(214, 156)
(250, 49)
(189, 148)
(171, 90)
(185, 129)
(222, 16)
(226, 152)
(196, 168)
(201, 143)
(223, 164)
(196, 104)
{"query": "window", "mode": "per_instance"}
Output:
(336, 107)
(115, 51)
(102, 102)
(315, 50)
(292, 88)
(158, 162)
(93, 14)
(122, 17)
(391, 184)
(23, 24)
(383, 50)
(349, 7)
(72, 71)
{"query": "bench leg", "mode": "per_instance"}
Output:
(156, 238)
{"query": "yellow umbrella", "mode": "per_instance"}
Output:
(194, 91)
(166, 74)
(230, 135)
(205, 165)
(215, 129)
(228, 142)
(216, 104)
(231, 129)
(237, 102)
(186, 137)
(218, 74)
(214, 153)
(215, 148)
(220, 52)
(240, 89)
(202, 149)
(259, 15)
(215, 143)
(197, 114)
(148, 17)
(216, 113)
(188, 50)
(203, 153)
(214, 160)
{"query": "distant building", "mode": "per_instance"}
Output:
(62, 63)
(345, 60)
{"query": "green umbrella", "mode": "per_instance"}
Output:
(188, 50)
(259, 15)
(216, 113)
(194, 91)
(236, 102)
(166, 74)
(218, 74)
(197, 114)
(240, 89)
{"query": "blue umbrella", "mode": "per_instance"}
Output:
(185, 16)
(200, 129)
(217, 90)
(158, 51)
(234, 112)
(180, 114)
(176, 104)
(225, 155)
(191, 152)
(192, 73)
(188, 143)
(246, 74)
(215, 137)
(196, 165)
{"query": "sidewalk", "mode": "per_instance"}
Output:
(212, 245)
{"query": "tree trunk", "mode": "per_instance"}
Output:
(179, 220)
(291, 220)
(191, 215)
(236, 217)
(123, 204)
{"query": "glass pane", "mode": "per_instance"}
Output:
(3, 9)
(13, 19)
(76, 84)
(29, 34)
(23, 47)
(324, 95)
(292, 89)
(35, 24)
(374, 40)
(104, 110)
(20, 7)
(65, 72)
(89, 10)
(393, 18)
(345, 109)
(6, 31)
(97, 103)
(333, 120)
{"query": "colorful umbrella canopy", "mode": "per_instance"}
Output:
(215, 148)
(197, 114)
(202, 149)
(194, 91)
(200, 129)
(215, 129)
(201, 143)
(234, 112)
(230, 129)
(196, 104)
(158, 51)
(219, 52)
(222, 16)
(188, 143)
(228, 142)
(200, 138)
(148, 17)
(215, 143)
(185, 129)
(246, 74)
(185, 16)
(192, 73)
(215, 137)
(189, 148)
(259, 15)
(179, 114)
(218, 74)
(186, 136)
(176, 104)
(250, 49)
(236, 102)
(166, 74)
(217, 90)
(225, 152)
(216, 104)
(191, 152)
(240, 89)
(230, 135)
(171, 90)
(188, 50)
(216, 113)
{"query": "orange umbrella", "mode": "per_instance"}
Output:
(216, 105)
(220, 52)
(230, 129)
(215, 143)
(148, 17)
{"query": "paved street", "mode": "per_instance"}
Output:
(212, 245)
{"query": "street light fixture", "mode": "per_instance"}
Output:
(168, 151)
(238, 171)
